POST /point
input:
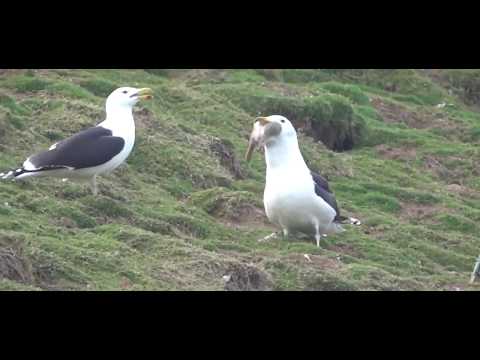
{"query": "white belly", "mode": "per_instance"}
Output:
(296, 207)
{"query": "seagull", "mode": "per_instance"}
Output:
(295, 198)
(93, 151)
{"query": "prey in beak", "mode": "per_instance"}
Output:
(144, 94)
(263, 129)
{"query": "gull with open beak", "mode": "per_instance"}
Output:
(93, 151)
(295, 198)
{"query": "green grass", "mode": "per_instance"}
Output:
(99, 87)
(178, 217)
(353, 92)
(25, 84)
(9, 103)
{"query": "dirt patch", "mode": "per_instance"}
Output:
(12, 267)
(4, 72)
(396, 113)
(455, 188)
(434, 165)
(445, 169)
(458, 189)
(420, 212)
(392, 153)
(246, 217)
(13, 264)
(145, 119)
(64, 222)
(196, 76)
(241, 277)
(346, 249)
(225, 152)
(287, 89)
(462, 190)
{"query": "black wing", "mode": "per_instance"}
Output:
(323, 190)
(91, 147)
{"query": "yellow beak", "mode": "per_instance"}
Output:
(145, 94)
(262, 120)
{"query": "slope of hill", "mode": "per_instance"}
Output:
(400, 148)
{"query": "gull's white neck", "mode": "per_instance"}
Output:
(120, 120)
(283, 157)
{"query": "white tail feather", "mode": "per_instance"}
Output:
(12, 174)
(354, 221)
(7, 175)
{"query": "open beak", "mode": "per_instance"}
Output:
(256, 136)
(144, 94)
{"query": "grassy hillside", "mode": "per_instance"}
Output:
(186, 211)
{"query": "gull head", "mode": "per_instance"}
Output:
(128, 97)
(267, 131)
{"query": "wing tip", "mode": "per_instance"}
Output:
(9, 174)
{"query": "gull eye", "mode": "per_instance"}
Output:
(282, 121)
(124, 91)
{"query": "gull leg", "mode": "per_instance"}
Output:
(285, 233)
(318, 236)
(93, 185)
(476, 271)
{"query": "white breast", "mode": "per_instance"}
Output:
(122, 125)
(289, 198)
(290, 201)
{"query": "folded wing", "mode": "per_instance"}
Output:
(88, 148)
(322, 189)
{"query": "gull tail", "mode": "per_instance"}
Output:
(22, 172)
(19, 173)
(12, 174)
(348, 220)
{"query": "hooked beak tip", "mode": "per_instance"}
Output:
(262, 120)
(145, 94)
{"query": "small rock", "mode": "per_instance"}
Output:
(454, 188)
(226, 278)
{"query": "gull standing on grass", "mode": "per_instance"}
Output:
(91, 152)
(295, 198)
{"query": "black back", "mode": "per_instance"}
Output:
(322, 189)
(91, 147)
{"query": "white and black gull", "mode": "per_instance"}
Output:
(295, 198)
(93, 151)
